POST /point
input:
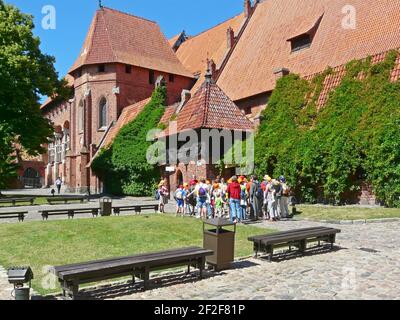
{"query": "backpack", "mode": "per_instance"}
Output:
(243, 194)
(157, 195)
(259, 192)
(179, 195)
(202, 192)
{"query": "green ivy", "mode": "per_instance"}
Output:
(123, 167)
(355, 137)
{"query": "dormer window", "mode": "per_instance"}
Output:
(305, 36)
(101, 68)
(301, 42)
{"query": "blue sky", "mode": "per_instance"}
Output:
(73, 18)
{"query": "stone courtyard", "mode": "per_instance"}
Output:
(364, 265)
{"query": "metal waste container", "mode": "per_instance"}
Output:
(105, 207)
(218, 238)
(18, 276)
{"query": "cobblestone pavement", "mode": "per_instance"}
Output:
(5, 287)
(365, 265)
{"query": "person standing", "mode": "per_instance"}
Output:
(58, 184)
(243, 202)
(202, 196)
(256, 197)
(278, 197)
(271, 200)
(179, 196)
(285, 198)
(233, 192)
(164, 194)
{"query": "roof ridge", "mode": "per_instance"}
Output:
(127, 14)
(209, 29)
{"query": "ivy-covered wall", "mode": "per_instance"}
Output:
(355, 136)
(123, 167)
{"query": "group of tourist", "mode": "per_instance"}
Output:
(240, 198)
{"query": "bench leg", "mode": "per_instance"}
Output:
(146, 278)
(75, 290)
(332, 240)
(256, 250)
(202, 265)
(188, 269)
(303, 246)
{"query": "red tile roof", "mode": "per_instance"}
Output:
(211, 44)
(263, 47)
(128, 114)
(211, 108)
(115, 36)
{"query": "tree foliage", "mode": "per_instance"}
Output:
(123, 167)
(26, 74)
(354, 138)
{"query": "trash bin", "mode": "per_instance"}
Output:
(105, 207)
(18, 276)
(22, 293)
(218, 238)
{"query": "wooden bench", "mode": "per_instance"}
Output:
(293, 238)
(137, 208)
(70, 212)
(14, 201)
(71, 276)
(10, 215)
(66, 200)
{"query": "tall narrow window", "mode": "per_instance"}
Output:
(171, 78)
(81, 116)
(151, 76)
(128, 69)
(103, 113)
(101, 68)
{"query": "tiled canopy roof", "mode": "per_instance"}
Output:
(211, 44)
(211, 108)
(115, 36)
(263, 47)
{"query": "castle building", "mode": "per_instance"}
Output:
(123, 56)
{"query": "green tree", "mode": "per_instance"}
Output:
(26, 74)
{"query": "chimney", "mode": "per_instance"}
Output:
(230, 34)
(247, 8)
(212, 67)
(281, 72)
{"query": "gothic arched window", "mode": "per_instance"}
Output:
(103, 113)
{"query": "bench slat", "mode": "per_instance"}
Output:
(298, 236)
(282, 233)
(121, 259)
